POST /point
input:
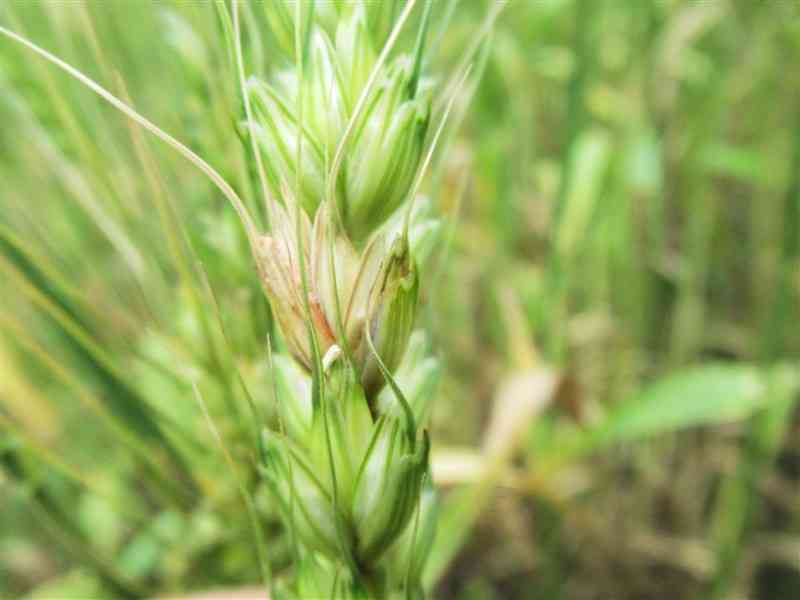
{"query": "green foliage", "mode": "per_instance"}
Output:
(703, 396)
(618, 205)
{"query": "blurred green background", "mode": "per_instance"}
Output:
(615, 302)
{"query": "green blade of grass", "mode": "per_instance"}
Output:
(704, 396)
(58, 522)
(63, 315)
